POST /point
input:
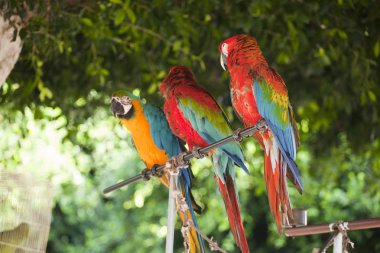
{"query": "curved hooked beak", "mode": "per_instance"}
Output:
(120, 106)
(223, 61)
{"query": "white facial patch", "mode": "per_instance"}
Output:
(224, 55)
(225, 49)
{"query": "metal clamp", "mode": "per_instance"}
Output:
(237, 135)
(262, 126)
(156, 172)
(179, 162)
(146, 174)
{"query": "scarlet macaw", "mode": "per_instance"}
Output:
(258, 92)
(195, 117)
(155, 144)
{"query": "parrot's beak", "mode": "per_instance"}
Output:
(223, 61)
(121, 106)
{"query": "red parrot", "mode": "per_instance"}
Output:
(259, 93)
(195, 117)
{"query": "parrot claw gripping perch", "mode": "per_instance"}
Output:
(196, 152)
(262, 126)
(145, 174)
(156, 172)
(177, 162)
(237, 136)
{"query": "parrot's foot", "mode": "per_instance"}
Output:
(237, 135)
(196, 152)
(146, 174)
(262, 126)
(177, 162)
(156, 172)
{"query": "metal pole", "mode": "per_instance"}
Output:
(326, 228)
(338, 243)
(171, 213)
(122, 183)
(238, 135)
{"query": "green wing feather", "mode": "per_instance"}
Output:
(211, 125)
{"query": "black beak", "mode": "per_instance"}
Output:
(223, 61)
(116, 108)
(120, 108)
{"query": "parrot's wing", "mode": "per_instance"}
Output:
(162, 135)
(160, 131)
(206, 117)
(273, 105)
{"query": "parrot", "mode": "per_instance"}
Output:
(156, 144)
(195, 117)
(259, 93)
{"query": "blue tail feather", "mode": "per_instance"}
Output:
(237, 160)
(292, 166)
(185, 180)
(286, 152)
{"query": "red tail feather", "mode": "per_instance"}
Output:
(276, 185)
(229, 196)
(272, 180)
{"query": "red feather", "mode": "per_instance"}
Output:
(246, 63)
(232, 207)
(181, 126)
(181, 82)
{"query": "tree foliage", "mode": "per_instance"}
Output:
(56, 122)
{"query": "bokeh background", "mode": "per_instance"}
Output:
(56, 122)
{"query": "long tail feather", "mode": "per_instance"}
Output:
(292, 171)
(228, 193)
(275, 172)
(273, 194)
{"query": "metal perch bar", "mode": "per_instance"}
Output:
(186, 156)
(328, 228)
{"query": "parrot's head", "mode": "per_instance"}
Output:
(121, 104)
(177, 75)
(238, 50)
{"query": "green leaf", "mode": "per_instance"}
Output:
(177, 45)
(87, 22)
(131, 15)
(116, 1)
(119, 16)
(372, 96)
(376, 49)
(342, 34)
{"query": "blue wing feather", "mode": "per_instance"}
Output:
(283, 133)
(160, 131)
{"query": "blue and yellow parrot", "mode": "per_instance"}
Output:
(156, 144)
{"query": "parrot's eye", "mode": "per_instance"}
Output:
(125, 100)
(225, 49)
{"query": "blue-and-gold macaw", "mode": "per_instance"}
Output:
(156, 144)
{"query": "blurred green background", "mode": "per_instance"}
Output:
(56, 123)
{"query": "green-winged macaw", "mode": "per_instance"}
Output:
(195, 117)
(259, 93)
